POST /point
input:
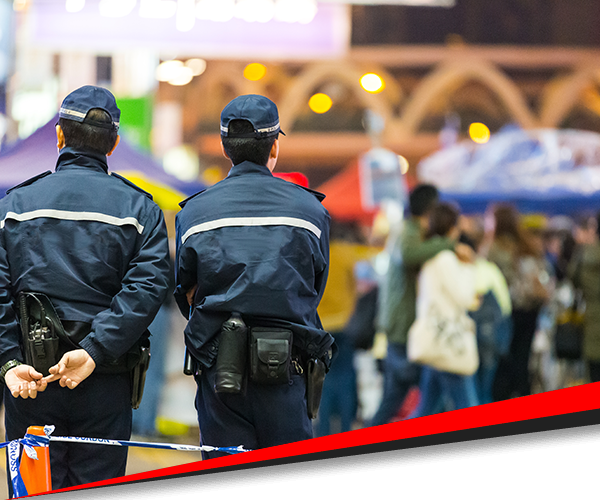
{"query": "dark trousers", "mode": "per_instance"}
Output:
(512, 377)
(399, 376)
(340, 392)
(594, 371)
(262, 416)
(99, 407)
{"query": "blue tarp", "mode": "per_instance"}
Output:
(38, 153)
(556, 172)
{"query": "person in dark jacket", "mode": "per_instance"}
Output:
(255, 245)
(96, 246)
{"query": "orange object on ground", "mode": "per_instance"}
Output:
(36, 473)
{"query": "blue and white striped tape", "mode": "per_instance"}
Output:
(29, 441)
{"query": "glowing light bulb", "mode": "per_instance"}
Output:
(372, 83)
(183, 77)
(198, 66)
(479, 132)
(255, 72)
(168, 70)
(320, 103)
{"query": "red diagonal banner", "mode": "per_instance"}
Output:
(571, 407)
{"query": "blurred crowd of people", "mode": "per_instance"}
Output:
(520, 278)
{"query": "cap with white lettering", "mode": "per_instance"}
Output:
(79, 102)
(260, 111)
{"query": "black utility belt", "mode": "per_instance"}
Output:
(264, 353)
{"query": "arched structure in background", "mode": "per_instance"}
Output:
(299, 92)
(211, 84)
(563, 94)
(449, 76)
(506, 85)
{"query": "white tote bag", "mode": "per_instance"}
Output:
(446, 345)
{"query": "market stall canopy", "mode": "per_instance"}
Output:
(550, 171)
(38, 153)
(343, 197)
(293, 177)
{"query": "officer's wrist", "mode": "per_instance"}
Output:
(9, 365)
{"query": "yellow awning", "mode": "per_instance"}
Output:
(166, 197)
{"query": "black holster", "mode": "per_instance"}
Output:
(46, 338)
(138, 373)
(315, 377)
(41, 331)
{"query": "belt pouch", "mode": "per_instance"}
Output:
(270, 355)
(231, 357)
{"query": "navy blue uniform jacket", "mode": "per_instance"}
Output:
(257, 245)
(94, 243)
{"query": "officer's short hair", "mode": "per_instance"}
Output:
(82, 135)
(239, 149)
(422, 199)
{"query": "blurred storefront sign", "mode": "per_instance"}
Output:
(276, 29)
(381, 179)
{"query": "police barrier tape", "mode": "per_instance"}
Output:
(30, 441)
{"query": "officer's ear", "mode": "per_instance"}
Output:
(60, 137)
(223, 151)
(273, 155)
(115, 146)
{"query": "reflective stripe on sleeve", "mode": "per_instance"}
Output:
(75, 216)
(251, 221)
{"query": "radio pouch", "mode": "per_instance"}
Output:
(41, 331)
(270, 355)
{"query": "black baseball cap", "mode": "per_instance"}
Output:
(260, 111)
(79, 102)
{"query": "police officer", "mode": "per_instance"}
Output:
(258, 246)
(96, 246)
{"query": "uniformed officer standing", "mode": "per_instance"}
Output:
(96, 246)
(258, 246)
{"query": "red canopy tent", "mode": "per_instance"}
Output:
(343, 197)
(294, 177)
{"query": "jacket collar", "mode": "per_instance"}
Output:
(247, 167)
(70, 158)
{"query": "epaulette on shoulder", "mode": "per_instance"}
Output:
(30, 181)
(131, 184)
(182, 203)
(316, 194)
